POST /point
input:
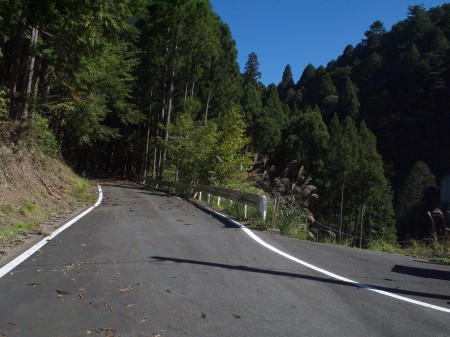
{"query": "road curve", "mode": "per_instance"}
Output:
(147, 264)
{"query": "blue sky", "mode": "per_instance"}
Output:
(298, 32)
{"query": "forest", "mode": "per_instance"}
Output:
(357, 148)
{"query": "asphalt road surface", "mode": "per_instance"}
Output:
(147, 264)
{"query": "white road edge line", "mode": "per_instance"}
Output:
(325, 272)
(25, 255)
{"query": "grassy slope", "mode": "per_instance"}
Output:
(35, 187)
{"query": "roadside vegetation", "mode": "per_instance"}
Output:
(36, 186)
(355, 149)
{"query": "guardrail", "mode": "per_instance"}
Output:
(254, 200)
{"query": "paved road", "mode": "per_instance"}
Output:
(147, 264)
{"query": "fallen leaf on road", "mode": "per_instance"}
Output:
(33, 284)
(107, 331)
(128, 289)
(143, 320)
(82, 293)
(203, 315)
(236, 316)
(108, 306)
(62, 292)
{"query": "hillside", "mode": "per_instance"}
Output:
(36, 192)
(162, 95)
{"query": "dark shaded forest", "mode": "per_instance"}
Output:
(151, 87)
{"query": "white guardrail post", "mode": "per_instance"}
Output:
(262, 206)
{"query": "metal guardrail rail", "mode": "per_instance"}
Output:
(254, 200)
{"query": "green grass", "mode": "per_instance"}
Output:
(431, 250)
(385, 247)
(82, 191)
(29, 210)
(10, 230)
(21, 220)
(236, 211)
(8, 209)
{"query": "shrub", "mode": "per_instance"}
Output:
(43, 137)
(82, 191)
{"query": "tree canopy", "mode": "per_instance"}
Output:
(153, 87)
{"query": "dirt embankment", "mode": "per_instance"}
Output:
(37, 193)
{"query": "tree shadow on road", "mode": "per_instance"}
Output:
(228, 223)
(422, 272)
(301, 276)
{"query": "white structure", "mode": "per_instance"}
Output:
(445, 190)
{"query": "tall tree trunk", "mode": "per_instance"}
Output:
(193, 87)
(161, 120)
(36, 83)
(355, 230)
(14, 77)
(167, 122)
(207, 108)
(330, 212)
(168, 115)
(361, 224)
(186, 90)
(188, 75)
(47, 81)
(342, 213)
(154, 161)
(30, 68)
(148, 134)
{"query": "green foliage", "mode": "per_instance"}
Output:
(252, 105)
(236, 211)
(188, 64)
(349, 103)
(293, 222)
(82, 191)
(221, 153)
(4, 102)
(385, 247)
(43, 136)
(286, 84)
(192, 162)
(268, 122)
(27, 209)
(296, 193)
(251, 70)
(308, 142)
(11, 230)
(233, 160)
(120, 95)
(8, 209)
(414, 199)
(429, 250)
(358, 195)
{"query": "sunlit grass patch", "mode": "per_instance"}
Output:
(10, 230)
(82, 191)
